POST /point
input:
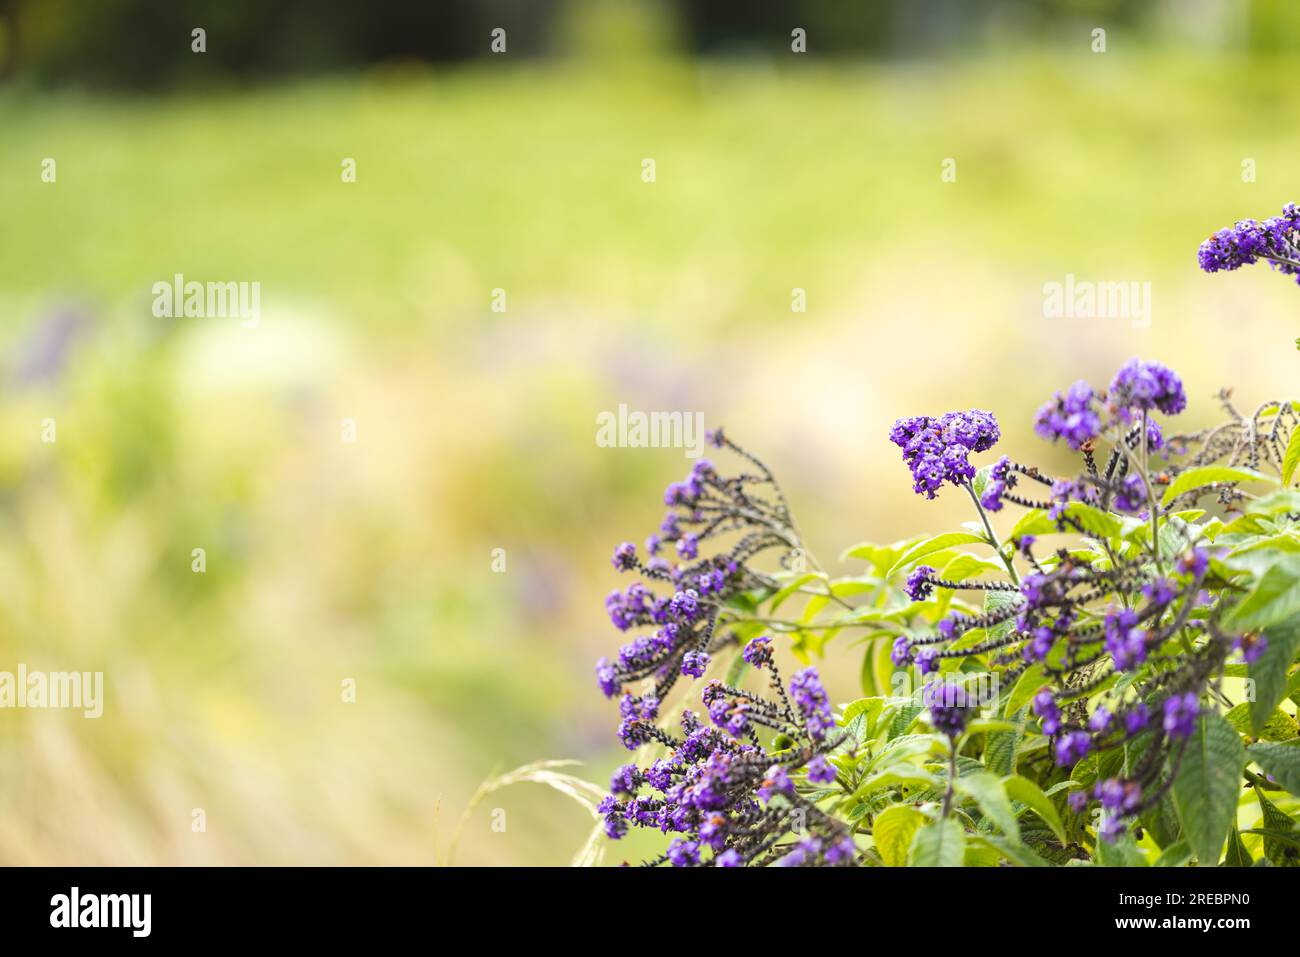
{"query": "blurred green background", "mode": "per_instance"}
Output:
(373, 560)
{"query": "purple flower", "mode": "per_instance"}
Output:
(927, 659)
(810, 698)
(1144, 385)
(758, 652)
(1071, 747)
(1137, 719)
(1118, 797)
(842, 851)
(820, 771)
(901, 653)
(775, 782)
(919, 585)
(729, 858)
(1101, 720)
(694, 664)
(802, 853)
(1131, 494)
(684, 853)
(688, 546)
(607, 678)
(938, 450)
(1125, 641)
(625, 780)
(1159, 592)
(1249, 241)
(949, 708)
(1070, 416)
(1252, 647)
(625, 557)
(1001, 478)
(1194, 562)
(1180, 714)
(1049, 713)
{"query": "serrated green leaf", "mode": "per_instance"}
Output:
(1270, 671)
(1208, 475)
(1000, 747)
(987, 791)
(1275, 598)
(1281, 854)
(893, 831)
(1031, 795)
(938, 844)
(1238, 855)
(1205, 791)
(1282, 761)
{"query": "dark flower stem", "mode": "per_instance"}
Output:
(993, 538)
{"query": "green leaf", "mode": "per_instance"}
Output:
(1033, 522)
(1270, 671)
(793, 587)
(938, 844)
(1013, 851)
(1031, 795)
(1282, 761)
(1281, 854)
(1207, 475)
(1175, 855)
(1030, 681)
(987, 791)
(1274, 599)
(1238, 855)
(1292, 457)
(1000, 747)
(1095, 522)
(929, 546)
(893, 831)
(1205, 791)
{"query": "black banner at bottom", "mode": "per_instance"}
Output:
(339, 906)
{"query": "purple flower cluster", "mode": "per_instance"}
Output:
(1276, 240)
(950, 706)
(1071, 416)
(1001, 478)
(726, 800)
(937, 450)
(1144, 386)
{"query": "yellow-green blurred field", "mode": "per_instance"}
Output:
(372, 561)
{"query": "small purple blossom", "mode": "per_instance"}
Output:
(810, 698)
(694, 664)
(1180, 711)
(1143, 385)
(919, 583)
(820, 770)
(758, 652)
(1071, 747)
(1070, 416)
(949, 707)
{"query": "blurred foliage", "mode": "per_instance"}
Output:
(372, 560)
(146, 44)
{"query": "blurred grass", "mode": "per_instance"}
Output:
(372, 560)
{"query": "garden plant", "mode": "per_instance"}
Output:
(1111, 682)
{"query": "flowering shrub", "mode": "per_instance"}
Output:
(1276, 241)
(1111, 682)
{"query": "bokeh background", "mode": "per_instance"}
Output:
(521, 171)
